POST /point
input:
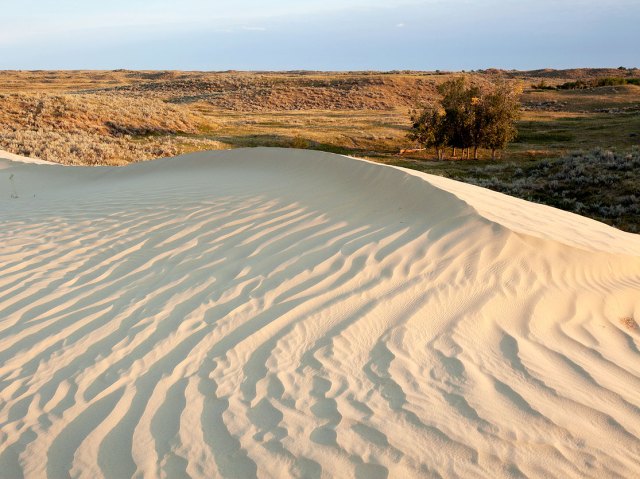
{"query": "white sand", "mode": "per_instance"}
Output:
(5, 155)
(278, 313)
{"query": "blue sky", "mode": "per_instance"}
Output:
(318, 34)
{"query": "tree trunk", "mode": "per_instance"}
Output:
(475, 152)
(493, 153)
(453, 154)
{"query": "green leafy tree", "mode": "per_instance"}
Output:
(429, 128)
(478, 124)
(458, 104)
(500, 111)
(468, 117)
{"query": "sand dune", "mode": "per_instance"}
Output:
(5, 155)
(279, 313)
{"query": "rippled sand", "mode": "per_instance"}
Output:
(281, 313)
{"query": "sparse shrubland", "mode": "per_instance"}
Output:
(93, 129)
(358, 113)
(598, 82)
(602, 184)
(84, 148)
(261, 92)
(95, 113)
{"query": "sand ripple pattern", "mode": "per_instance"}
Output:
(273, 314)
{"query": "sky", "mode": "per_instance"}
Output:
(319, 34)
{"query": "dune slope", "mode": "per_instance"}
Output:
(280, 313)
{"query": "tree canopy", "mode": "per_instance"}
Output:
(467, 117)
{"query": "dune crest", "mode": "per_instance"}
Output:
(6, 156)
(282, 313)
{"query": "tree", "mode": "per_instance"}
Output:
(468, 116)
(500, 110)
(478, 123)
(458, 104)
(429, 128)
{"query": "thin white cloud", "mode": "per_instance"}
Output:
(400, 25)
(47, 22)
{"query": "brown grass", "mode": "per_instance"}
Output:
(121, 116)
(105, 114)
(93, 129)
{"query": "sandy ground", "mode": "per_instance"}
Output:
(279, 313)
(5, 155)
